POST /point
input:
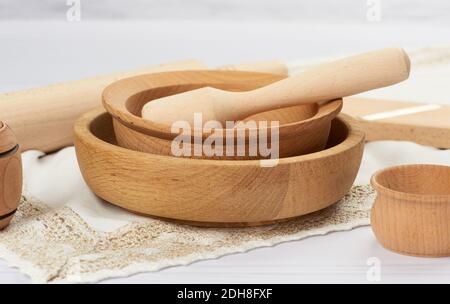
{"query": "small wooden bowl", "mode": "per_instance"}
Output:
(411, 214)
(303, 129)
(10, 175)
(216, 192)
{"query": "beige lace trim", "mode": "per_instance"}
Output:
(56, 245)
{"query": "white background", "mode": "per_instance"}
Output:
(39, 46)
(328, 11)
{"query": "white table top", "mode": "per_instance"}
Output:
(34, 54)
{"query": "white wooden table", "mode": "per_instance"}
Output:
(33, 54)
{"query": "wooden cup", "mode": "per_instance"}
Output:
(10, 175)
(411, 214)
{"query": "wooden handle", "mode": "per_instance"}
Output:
(425, 124)
(344, 77)
(42, 118)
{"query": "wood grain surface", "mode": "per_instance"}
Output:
(42, 118)
(216, 192)
(302, 129)
(10, 175)
(411, 214)
(401, 120)
(321, 83)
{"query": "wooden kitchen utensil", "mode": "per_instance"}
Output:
(303, 129)
(426, 124)
(10, 175)
(213, 192)
(411, 214)
(325, 82)
(422, 123)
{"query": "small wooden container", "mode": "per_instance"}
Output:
(303, 129)
(10, 175)
(216, 192)
(411, 214)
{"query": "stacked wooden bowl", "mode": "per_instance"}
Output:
(302, 129)
(126, 160)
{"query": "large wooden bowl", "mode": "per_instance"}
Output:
(216, 192)
(303, 129)
(411, 214)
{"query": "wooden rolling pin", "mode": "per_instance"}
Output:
(42, 118)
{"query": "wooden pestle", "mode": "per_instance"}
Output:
(344, 77)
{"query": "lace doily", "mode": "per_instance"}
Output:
(56, 245)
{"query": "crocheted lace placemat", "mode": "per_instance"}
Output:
(57, 245)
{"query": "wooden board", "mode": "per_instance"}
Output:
(426, 124)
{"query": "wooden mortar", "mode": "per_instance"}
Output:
(303, 129)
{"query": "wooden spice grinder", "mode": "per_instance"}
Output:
(10, 175)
